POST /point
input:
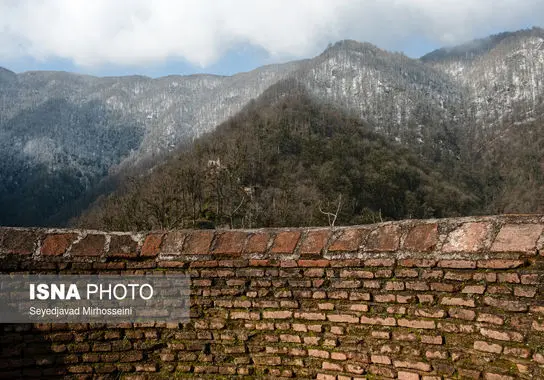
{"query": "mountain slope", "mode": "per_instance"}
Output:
(503, 75)
(284, 160)
(82, 128)
(76, 134)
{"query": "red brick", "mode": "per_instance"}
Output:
(151, 246)
(469, 373)
(383, 273)
(122, 246)
(324, 376)
(500, 264)
(384, 298)
(263, 263)
(517, 238)
(378, 321)
(290, 338)
(346, 263)
(318, 353)
(346, 284)
(425, 298)
(57, 244)
(487, 347)
(416, 324)
(496, 376)
(422, 238)
(454, 301)
(380, 359)
(394, 285)
(244, 315)
(313, 263)
(468, 238)
(538, 326)
(512, 278)
(417, 263)
(426, 313)
(91, 245)
(311, 316)
(485, 276)
(402, 375)
(474, 289)
(459, 276)
(530, 279)
(331, 366)
(537, 309)
(442, 287)
(379, 262)
(467, 315)
(420, 366)
(198, 243)
(314, 242)
(359, 307)
(435, 274)
(457, 264)
(502, 335)
(204, 264)
(285, 242)
(350, 240)
(339, 356)
(230, 242)
(384, 239)
(18, 242)
(406, 273)
(343, 318)
(382, 371)
(402, 336)
(508, 305)
(490, 318)
(356, 274)
(524, 291)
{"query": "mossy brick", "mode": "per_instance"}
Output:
(122, 246)
(18, 242)
(90, 245)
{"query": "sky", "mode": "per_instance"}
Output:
(162, 37)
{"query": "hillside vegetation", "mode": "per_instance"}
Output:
(285, 160)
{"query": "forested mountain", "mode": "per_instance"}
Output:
(503, 76)
(67, 138)
(286, 159)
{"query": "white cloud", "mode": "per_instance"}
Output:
(95, 32)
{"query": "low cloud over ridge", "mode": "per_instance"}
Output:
(139, 32)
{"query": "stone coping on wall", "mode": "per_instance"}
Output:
(453, 238)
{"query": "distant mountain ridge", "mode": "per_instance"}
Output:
(70, 131)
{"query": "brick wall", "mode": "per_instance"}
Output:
(446, 299)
